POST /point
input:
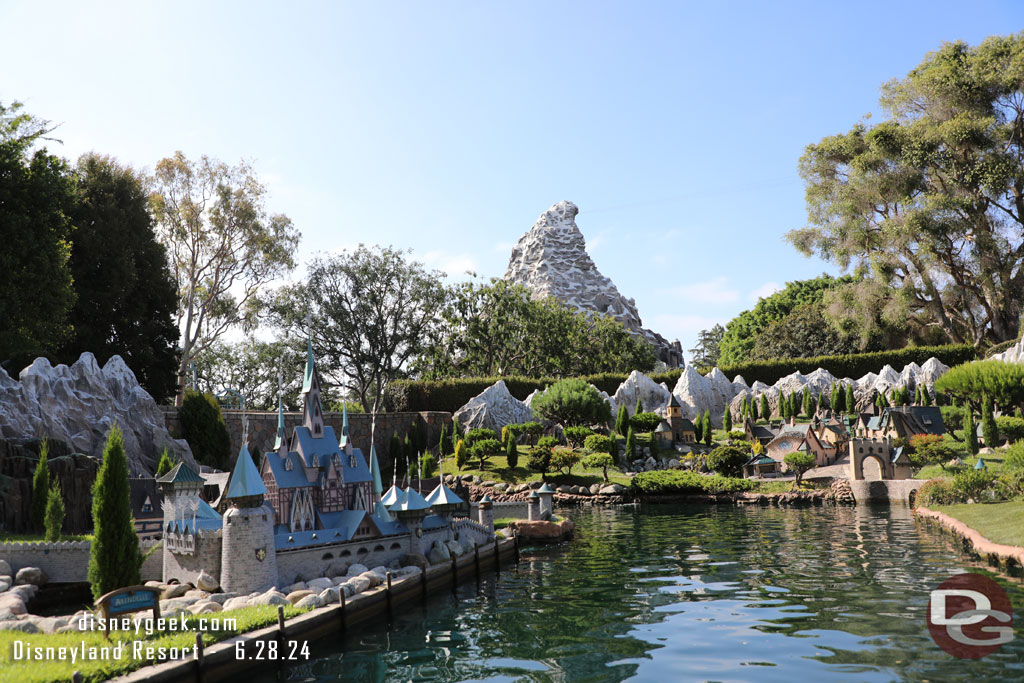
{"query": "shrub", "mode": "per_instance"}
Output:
(971, 483)
(165, 464)
(599, 461)
(429, 464)
(799, 462)
(479, 434)
(547, 442)
(936, 492)
(645, 422)
(540, 458)
(630, 446)
(1012, 481)
(506, 434)
(931, 450)
(564, 459)
(1010, 428)
(1014, 459)
(952, 417)
(484, 448)
(532, 430)
(727, 419)
(597, 443)
(203, 427)
(444, 444)
(679, 481)
(989, 430)
(970, 433)
(571, 402)
(766, 409)
(512, 453)
(737, 435)
(727, 461)
(460, 454)
(40, 487)
(706, 424)
(577, 435)
(114, 559)
(54, 513)
(622, 420)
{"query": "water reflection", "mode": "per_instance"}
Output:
(686, 593)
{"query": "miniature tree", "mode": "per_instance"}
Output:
(639, 406)
(443, 443)
(926, 399)
(970, 432)
(601, 461)
(540, 455)
(483, 449)
(460, 454)
(511, 453)
(630, 445)
(645, 422)
(115, 560)
(165, 464)
(850, 404)
(577, 435)
(753, 410)
(54, 513)
(40, 487)
(698, 429)
(622, 420)
(727, 461)
(766, 409)
(799, 462)
(989, 429)
(808, 408)
(727, 419)
(707, 427)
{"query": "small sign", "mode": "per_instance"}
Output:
(128, 600)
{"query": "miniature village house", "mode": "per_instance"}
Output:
(675, 430)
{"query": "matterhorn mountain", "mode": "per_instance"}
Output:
(551, 260)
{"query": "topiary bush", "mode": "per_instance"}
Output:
(203, 427)
(576, 436)
(461, 454)
(484, 448)
(799, 462)
(479, 434)
(727, 461)
(511, 453)
(1010, 428)
(429, 465)
(564, 459)
(571, 402)
(645, 422)
(54, 513)
(599, 461)
(540, 456)
(596, 443)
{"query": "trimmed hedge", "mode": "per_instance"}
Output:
(451, 394)
(678, 481)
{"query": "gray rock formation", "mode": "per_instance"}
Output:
(653, 396)
(79, 404)
(1014, 354)
(493, 408)
(551, 260)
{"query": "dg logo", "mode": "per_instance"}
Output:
(969, 616)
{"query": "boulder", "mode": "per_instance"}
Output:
(5, 568)
(595, 489)
(175, 590)
(295, 596)
(613, 490)
(372, 578)
(317, 585)
(356, 569)
(337, 568)
(31, 575)
(439, 553)
(493, 408)
(23, 625)
(271, 598)
(237, 603)
(356, 584)
(221, 598)
(454, 548)
(297, 586)
(330, 596)
(206, 582)
(310, 601)
(197, 594)
(205, 607)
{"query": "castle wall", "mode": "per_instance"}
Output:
(186, 568)
(68, 561)
(302, 564)
(245, 531)
(263, 428)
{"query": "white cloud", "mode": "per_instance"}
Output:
(713, 291)
(453, 265)
(764, 290)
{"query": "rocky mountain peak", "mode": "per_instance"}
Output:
(551, 259)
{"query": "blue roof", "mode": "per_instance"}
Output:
(410, 502)
(342, 519)
(875, 423)
(182, 473)
(390, 528)
(434, 522)
(307, 380)
(442, 495)
(897, 454)
(353, 468)
(545, 489)
(279, 439)
(393, 495)
(980, 465)
(245, 480)
(306, 539)
(344, 427)
(375, 470)
(207, 519)
(288, 479)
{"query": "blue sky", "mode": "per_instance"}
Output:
(448, 127)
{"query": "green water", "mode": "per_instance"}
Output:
(666, 593)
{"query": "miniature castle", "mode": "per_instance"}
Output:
(313, 502)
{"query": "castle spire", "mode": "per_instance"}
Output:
(279, 441)
(313, 412)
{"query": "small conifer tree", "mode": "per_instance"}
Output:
(707, 427)
(926, 399)
(165, 464)
(834, 397)
(511, 453)
(698, 428)
(115, 560)
(630, 445)
(54, 513)
(850, 404)
(622, 420)
(989, 429)
(461, 454)
(970, 432)
(727, 419)
(753, 410)
(766, 409)
(639, 407)
(40, 487)
(443, 442)
(807, 407)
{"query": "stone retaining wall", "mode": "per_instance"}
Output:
(884, 490)
(263, 428)
(68, 561)
(996, 553)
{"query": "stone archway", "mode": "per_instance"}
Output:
(872, 468)
(871, 459)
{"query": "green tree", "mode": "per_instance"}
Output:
(253, 368)
(512, 453)
(753, 409)
(808, 409)
(126, 298)
(970, 432)
(577, 435)
(622, 420)
(989, 429)
(850, 403)
(444, 443)
(115, 560)
(705, 355)
(727, 419)
(165, 464)
(630, 446)
(461, 455)
(706, 425)
(40, 487)
(999, 381)
(54, 513)
(645, 422)
(926, 203)
(572, 402)
(766, 409)
(639, 406)
(835, 397)
(601, 461)
(373, 311)
(727, 461)
(926, 398)
(222, 245)
(799, 462)
(483, 449)
(203, 427)
(801, 333)
(36, 198)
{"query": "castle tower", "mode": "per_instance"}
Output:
(281, 440)
(249, 559)
(547, 498)
(410, 509)
(312, 410)
(378, 487)
(346, 441)
(485, 512)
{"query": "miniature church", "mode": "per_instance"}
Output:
(314, 500)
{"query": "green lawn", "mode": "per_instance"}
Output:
(998, 522)
(38, 538)
(248, 619)
(993, 461)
